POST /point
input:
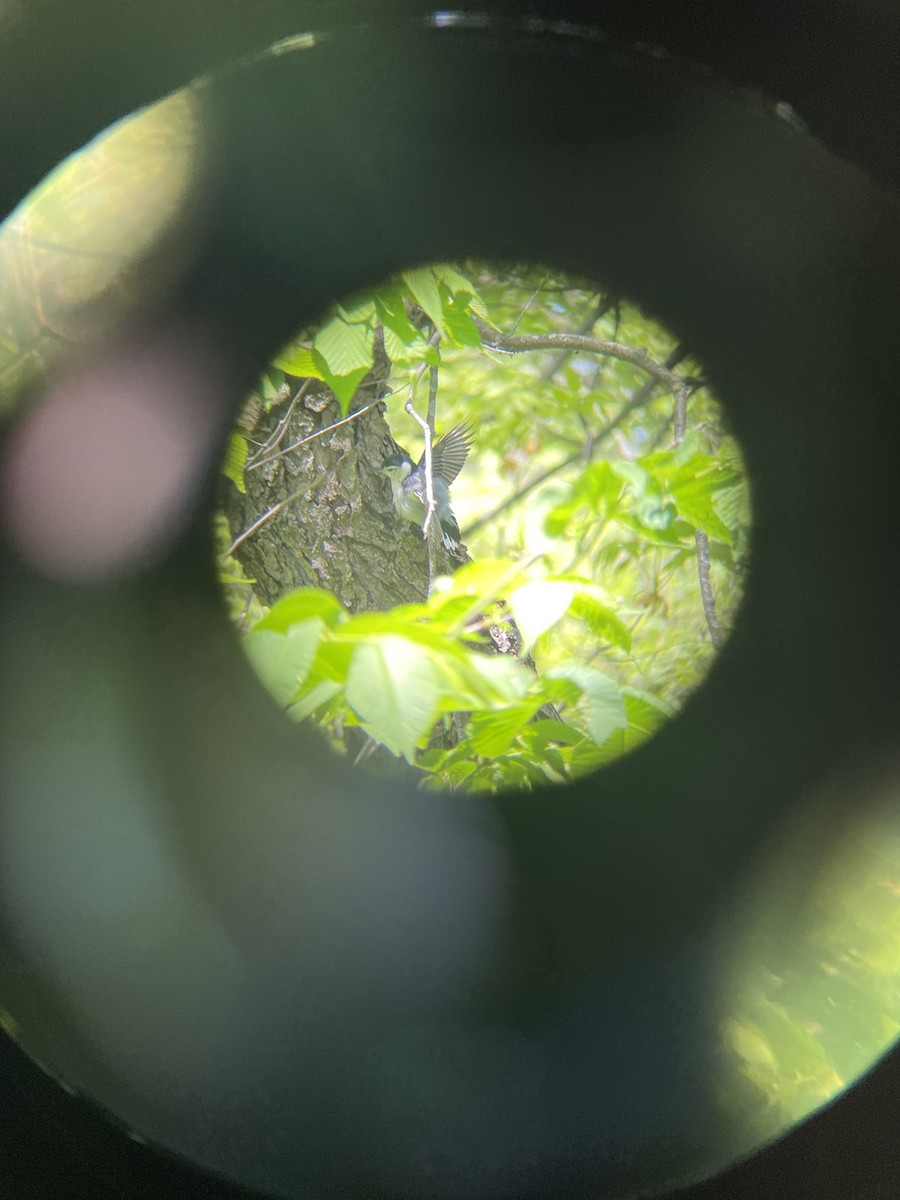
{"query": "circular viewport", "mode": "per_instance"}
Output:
(484, 526)
(582, 565)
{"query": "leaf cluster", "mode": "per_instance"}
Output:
(398, 674)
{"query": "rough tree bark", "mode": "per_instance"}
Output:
(338, 529)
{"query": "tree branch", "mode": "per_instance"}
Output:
(640, 397)
(700, 539)
(706, 592)
(518, 343)
(597, 312)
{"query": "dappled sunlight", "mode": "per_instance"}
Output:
(599, 511)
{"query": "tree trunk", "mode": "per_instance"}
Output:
(337, 528)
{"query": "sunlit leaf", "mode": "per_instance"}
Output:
(299, 360)
(283, 660)
(344, 386)
(345, 348)
(300, 605)
(235, 459)
(599, 617)
(603, 702)
(539, 605)
(359, 311)
(393, 687)
(455, 283)
(459, 326)
(494, 733)
(425, 291)
(314, 697)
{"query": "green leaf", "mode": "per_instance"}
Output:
(392, 314)
(345, 348)
(300, 605)
(272, 384)
(344, 386)
(455, 283)
(393, 688)
(493, 733)
(482, 582)
(539, 605)
(470, 681)
(599, 617)
(459, 285)
(696, 504)
(298, 360)
(598, 490)
(314, 697)
(459, 327)
(235, 459)
(646, 711)
(645, 715)
(333, 662)
(424, 289)
(358, 312)
(544, 732)
(633, 473)
(733, 506)
(283, 660)
(672, 537)
(693, 485)
(603, 699)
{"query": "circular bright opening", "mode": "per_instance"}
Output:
(484, 527)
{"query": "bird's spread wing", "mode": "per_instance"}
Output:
(449, 453)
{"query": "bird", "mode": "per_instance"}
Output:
(408, 484)
(448, 457)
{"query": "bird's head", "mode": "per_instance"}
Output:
(398, 466)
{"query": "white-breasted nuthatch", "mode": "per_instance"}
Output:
(448, 457)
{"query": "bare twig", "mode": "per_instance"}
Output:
(528, 303)
(640, 397)
(276, 508)
(680, 417)
(280, 429)
(432, 397)
(700, 539)
(706, 592)
(431, 503)
(319, 433)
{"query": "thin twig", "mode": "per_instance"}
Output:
(528, 303)
(431, 505)
(281, 428)
(640, 397)
(700, 539)
(319, 433)
(276, 508)
(706, 592)
(432, 397)
(680, 417)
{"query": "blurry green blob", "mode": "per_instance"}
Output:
(102, 237)
(814, 996)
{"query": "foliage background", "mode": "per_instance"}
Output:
(582, 504)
